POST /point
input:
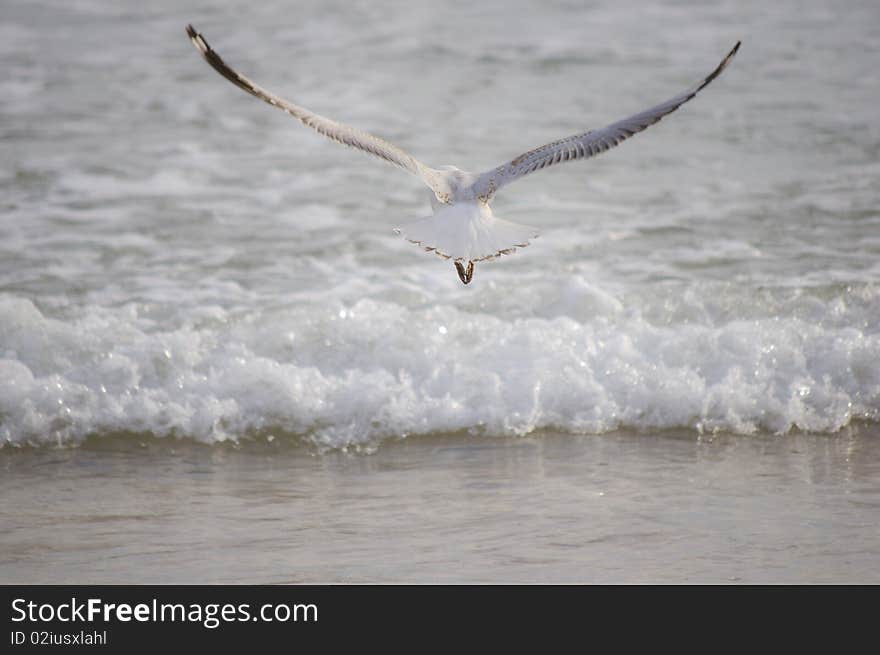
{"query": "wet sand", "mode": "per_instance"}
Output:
(619, 508)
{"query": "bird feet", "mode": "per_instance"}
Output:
(464, 275)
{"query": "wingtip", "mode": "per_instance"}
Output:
(732, 52)
(718, 70)
(198, 40)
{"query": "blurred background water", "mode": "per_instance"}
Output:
(204, 304)
(178, 258)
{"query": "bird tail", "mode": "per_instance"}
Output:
(467, 232)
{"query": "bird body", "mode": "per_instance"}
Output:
(463, 227)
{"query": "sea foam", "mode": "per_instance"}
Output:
(178, 260)
(345, 375)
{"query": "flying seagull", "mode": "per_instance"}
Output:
(463, 227)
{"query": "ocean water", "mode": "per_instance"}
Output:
(178, 259)
(183, 267)
(562, 508)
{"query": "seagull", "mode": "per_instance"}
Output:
(462, 227)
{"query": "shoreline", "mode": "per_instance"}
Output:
(623, 507)
(280, 441)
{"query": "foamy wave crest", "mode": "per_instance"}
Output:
(356, 374)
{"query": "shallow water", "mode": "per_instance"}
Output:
(665, 507)
(218, 363)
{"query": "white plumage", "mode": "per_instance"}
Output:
(467, 231)
(463, 227)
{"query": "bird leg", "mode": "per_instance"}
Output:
(464, 275)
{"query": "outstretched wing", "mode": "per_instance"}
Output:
(338, 132)
(587, 144)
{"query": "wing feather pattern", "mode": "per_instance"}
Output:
(339, 132)
(588, 144)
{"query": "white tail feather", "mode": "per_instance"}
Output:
(467, 231)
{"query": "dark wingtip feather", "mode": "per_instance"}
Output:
(197, 40)
(715, 73)
(729, 56)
